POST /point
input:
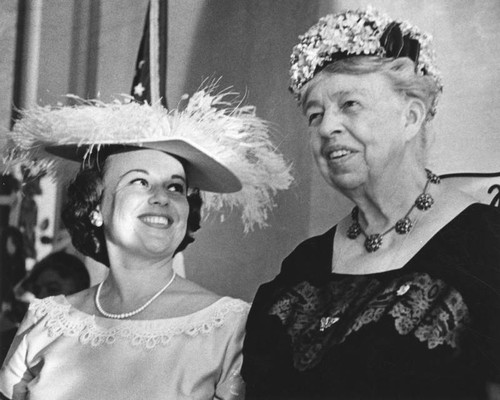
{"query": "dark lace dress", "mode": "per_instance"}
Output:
(430, 330)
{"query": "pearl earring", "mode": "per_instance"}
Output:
(96, 218)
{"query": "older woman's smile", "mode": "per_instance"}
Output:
(336, 152)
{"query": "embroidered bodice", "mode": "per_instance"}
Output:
(61, 352)
(428, 330)
(426, 308)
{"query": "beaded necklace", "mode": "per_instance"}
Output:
(373, 242)
(131, 313)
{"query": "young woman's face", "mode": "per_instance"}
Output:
(356, 126)
(144, 204)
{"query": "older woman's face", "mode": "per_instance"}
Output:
(356, 126)
(144, 205)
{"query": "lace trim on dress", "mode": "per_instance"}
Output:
(437, 313)
(147, 334)
(433, 311)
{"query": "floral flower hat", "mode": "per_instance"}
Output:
(360, 32)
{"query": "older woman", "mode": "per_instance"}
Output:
(144, 332)
(401, 299)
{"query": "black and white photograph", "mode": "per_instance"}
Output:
(250, 199)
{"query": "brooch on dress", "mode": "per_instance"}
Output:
(403, 289)
(327, 322)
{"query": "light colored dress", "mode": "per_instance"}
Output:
(62, 353)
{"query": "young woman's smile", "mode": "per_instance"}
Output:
(157, 220)
(144, 206)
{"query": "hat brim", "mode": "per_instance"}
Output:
(202, 170)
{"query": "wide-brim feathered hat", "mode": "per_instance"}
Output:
(226, 149)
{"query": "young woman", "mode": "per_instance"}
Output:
(144, 332)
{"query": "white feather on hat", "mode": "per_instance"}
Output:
(228, 133)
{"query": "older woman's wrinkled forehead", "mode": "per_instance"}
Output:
(307, 88)
(319, 78)
(355, 67)
(323, 78)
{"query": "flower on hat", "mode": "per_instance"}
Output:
(355, 33)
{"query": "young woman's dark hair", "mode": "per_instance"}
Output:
(84, 195)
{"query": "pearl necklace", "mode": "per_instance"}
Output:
(373, 242)
(131, 313)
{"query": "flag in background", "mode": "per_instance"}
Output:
(150, 79)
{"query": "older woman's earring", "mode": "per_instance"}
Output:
(96, 218)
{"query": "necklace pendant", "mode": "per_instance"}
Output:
(424, 201)
(404, 226)
(354, 230)
(373, 242)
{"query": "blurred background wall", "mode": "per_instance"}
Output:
(89, 48)
(8, 15)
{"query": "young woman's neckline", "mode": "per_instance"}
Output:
(218, 303)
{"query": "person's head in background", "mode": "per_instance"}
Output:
(58, 273)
